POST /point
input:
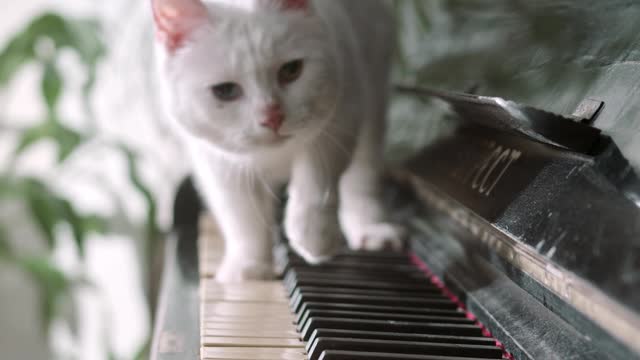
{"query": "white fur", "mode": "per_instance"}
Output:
(335, 115)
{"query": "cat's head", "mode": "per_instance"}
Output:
(247, 75)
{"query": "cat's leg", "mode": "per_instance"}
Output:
(244, 211)
(311, 220)
(362, 214)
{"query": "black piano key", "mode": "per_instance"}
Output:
(380, 254)
(292, 281)
(413, 278)
(380, 316)
(403, 264)
(359, 257)
(381, 275)
(367, 275)
(358, 254)
(354, 263)
(355, 355)
(376, 308)
(403, 301)
(402, 347)
(347, 291)
(357, 268)
(389, 326)
(373, 335)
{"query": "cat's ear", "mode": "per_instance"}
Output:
(176, 19)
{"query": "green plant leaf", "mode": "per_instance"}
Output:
(17, 53)
(32, 135)
(75, 223)
(49, 210)
(421, 12)
(153, 230)
(94, 224)
(45, 208)
(51, 86)
(5, 248)
(87, 90)
(81, 35)
(41, 41)
(51, 282)
(81, 226)
(86, 39)
(8, 188)
(65, 138)
(85, 36)
(143, 352)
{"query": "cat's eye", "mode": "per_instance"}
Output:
(227, 91)
(290, 71)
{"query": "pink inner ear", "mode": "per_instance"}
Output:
(176, 19)
(295, 4)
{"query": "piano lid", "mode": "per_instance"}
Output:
(552, 197)
(574, 133)
(548, 54)
(570, 133)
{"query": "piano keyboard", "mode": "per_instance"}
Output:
(373, 306)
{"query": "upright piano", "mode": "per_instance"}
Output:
(524, 244)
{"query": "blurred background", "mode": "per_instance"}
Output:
(88, 171)
(87, 176)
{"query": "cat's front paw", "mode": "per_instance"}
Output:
(314, 233)
(374, 237)
(240, 270)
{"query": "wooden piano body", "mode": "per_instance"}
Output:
(529, 215)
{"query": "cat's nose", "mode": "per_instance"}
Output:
(274, 117)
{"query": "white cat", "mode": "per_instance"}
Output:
(268, 91)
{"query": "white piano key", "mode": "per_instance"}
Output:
(229, 308)
(252, 354)
(288, 334)
(247, 321)
(216, 341)
(267, 321)
(247, 326)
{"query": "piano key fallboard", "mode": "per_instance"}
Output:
(357, 306)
